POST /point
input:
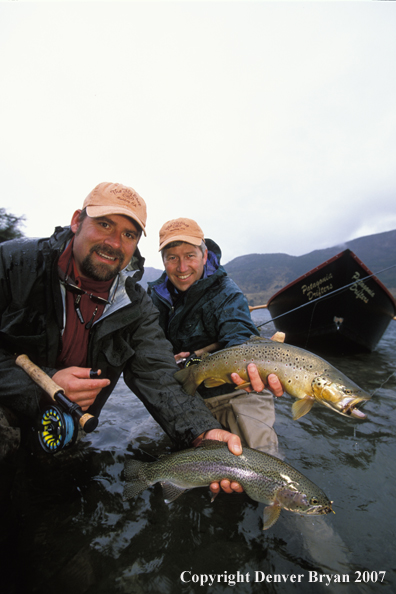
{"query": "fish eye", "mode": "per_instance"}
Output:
(314, 501)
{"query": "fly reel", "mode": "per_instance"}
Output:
(57, 429)
(59, 422)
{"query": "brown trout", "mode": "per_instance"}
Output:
(264, 478)
(302, 374)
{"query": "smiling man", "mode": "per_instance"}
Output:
(201, 308)
(71, 302)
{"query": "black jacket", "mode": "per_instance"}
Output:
(126, 339)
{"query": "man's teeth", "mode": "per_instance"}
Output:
(184, 277)
(106, 256)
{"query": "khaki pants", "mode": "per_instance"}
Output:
(250, 415)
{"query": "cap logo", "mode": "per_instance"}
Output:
(126, 195)
(178, 226)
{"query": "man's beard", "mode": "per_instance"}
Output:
(102, 272)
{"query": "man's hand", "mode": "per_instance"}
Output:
(257, 384)
(234, 445)
(78, 386)
(180, 357)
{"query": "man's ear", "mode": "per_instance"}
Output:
(205, 256)
(75, 222)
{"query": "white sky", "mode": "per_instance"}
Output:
(273, 124)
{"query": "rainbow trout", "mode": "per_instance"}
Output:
(302, 374)
(264, 478)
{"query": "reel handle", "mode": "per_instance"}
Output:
(87, 422)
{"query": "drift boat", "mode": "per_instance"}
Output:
(345, 307)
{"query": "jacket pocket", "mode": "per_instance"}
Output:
(117, 351)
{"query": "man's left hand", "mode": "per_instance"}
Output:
(234, 445)
(257, 384)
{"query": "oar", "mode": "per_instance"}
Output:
(87, 422)
(252, 307)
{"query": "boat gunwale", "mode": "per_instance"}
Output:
(330, 261)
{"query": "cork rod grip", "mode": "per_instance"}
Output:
(87, 422)
(38, 376)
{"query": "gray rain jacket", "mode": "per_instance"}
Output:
(126, 339)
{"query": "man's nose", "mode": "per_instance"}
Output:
(183, 265)
(114, 240)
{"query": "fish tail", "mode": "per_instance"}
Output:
(135, 484)
(186, 378)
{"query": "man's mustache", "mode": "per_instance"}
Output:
(108, 251)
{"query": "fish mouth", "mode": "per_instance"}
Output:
(348, 408)
(320, 510)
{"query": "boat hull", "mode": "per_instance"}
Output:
(316, 312)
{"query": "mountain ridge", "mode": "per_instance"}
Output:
(260, 276)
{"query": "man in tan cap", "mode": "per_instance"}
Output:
(202, 310)
(72, 304)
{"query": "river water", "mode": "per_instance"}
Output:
(72, 533)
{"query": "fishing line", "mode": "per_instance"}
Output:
(328, 294)
(383, 384)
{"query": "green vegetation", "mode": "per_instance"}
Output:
(10, 225)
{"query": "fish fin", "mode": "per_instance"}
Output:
(262, 338)
(185, 377)
(214, 495)
(279, 337)
(270, 516)
(134, 488)
(243, 386)
(171, 492)
(212, 444)
(213, 382)
(131, 469)
(302, 407)
(134, 485)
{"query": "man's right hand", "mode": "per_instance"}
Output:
(78, 386)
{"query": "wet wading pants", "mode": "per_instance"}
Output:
(250, 415)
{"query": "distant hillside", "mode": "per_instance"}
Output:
(261, 275)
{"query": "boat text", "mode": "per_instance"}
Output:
(318, 288)
(361, 290)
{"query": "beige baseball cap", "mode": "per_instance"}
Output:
(180, 230)
(108, 199)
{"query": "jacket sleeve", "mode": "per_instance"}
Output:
(17, 390)
(150, 375)
(233, 320)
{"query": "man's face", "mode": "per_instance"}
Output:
(184, 265)
(104, 245)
